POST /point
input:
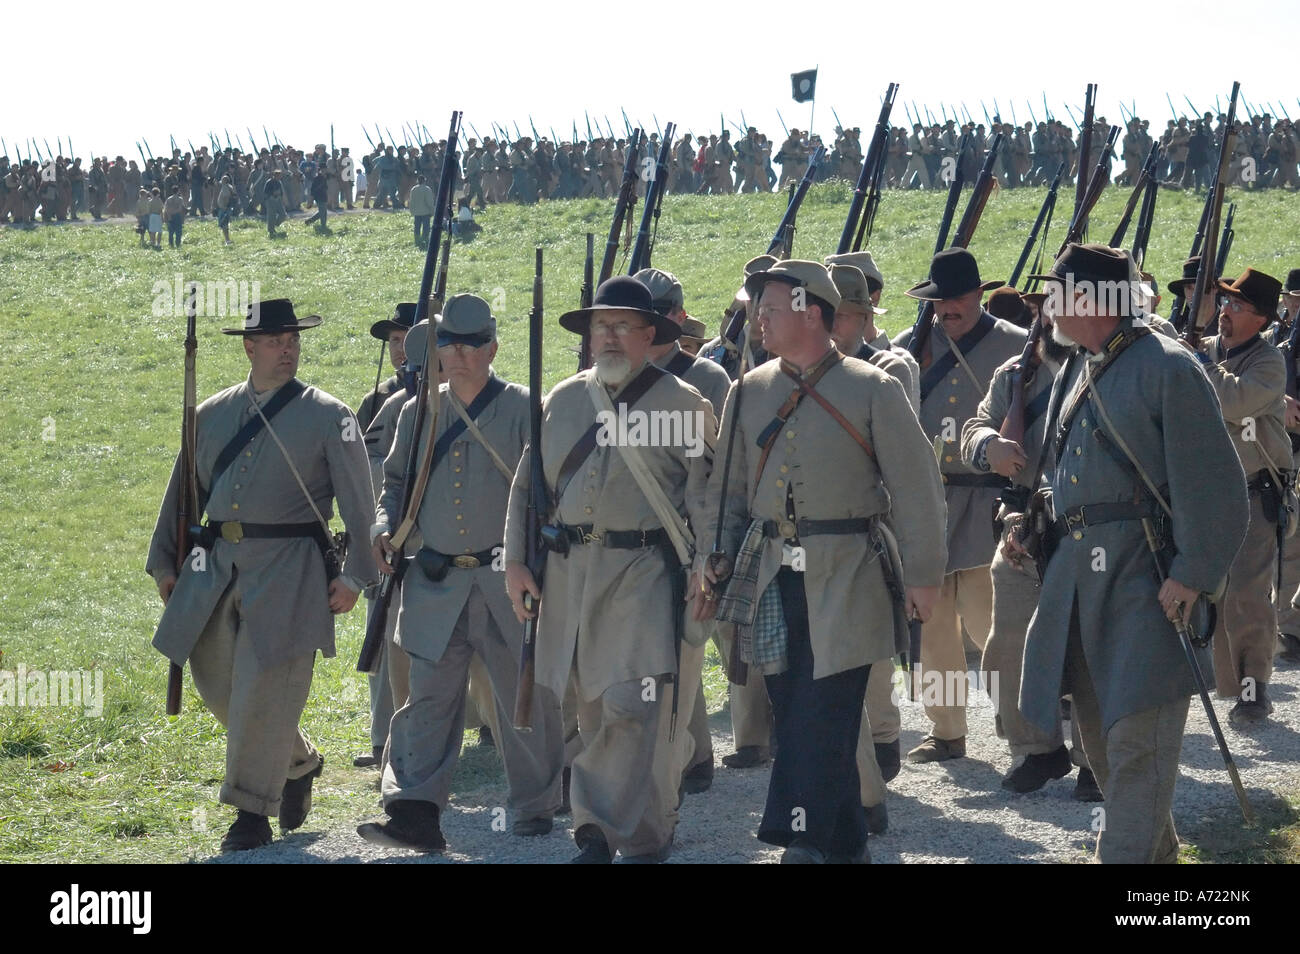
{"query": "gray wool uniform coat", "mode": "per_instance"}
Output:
(831, 477)
(609, 612)
(285, 606)
(463, 511)
(1158, 397)
(945, 408)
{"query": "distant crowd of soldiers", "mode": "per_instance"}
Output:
(62, 189)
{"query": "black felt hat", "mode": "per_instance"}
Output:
(402, 320)
(622, 293)
(271, 317)
(953, 273)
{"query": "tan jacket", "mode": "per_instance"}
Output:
(608, 612)
(1250, 381)
(831, 477)
(285, 609)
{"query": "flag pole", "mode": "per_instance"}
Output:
(813, 108)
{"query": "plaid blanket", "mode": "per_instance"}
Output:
(760, 620)
(738, 604)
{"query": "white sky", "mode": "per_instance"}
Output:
(252, 64)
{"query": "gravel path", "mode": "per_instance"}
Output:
(981, 822)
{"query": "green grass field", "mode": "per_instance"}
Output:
(92, 384)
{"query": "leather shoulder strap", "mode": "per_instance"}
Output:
(246, 433)
(587, 442)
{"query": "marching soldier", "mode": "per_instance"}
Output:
(252, 612)
(966, 345)
(1288, 616)
(1140, 455)
(453, 604)
(1249, 376)
(798, 531)
(611, 601)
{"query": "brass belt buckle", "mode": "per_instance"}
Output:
(787, 529)
(466, 561)
(232, 531)
(592, 537)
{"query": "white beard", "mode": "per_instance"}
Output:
(612, 370)
(1060, 337)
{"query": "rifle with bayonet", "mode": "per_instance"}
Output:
(867, 177)
(1085, 149)
(188, 510)
(539, 504)
(654, 197)
(1142, 234)
(417, 464)
(1178, 314)
(1139, 191)
(1205, 293)
(1041, 225)
(622, 213)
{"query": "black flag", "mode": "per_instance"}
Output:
(803, 85)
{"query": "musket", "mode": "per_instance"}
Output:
(654, 196)
(837, 119)
(251, 140)
(227, 132)
(970, 220)
(997, 111)
(188, 510)
(1201, 311)
(266, 137)
(1031, 113)
(868, 223)
(143, 160)
(588, 118)
(783, 125)
(929, 120)
(910, 118)
(658, 131)
(59, 141)
(417, 464)
(536, 135)
(587, 290)
(518, 133)
(622, 209)
(1138, 191)
(866, 176)
(954, 195)
(539, 507)
(331, 139)
(1225, 243)
(368, 139)
(49, 150)
(1178, 315)
(1085, 146)
(1044, 219)
(627, 124)
(1195, 111)
(391, 141)
(986, 113)
(1015, 122)
(146, 147)
(1173, 112)
(944, 110)
(1073, 118)
(610, 127)
(1142, 234)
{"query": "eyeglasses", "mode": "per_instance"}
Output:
(1235, 305)
(620, 328)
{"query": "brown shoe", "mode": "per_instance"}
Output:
(934, 749)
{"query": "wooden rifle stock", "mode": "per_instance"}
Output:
(1178, 314)
(416, 464)
(868, 174)
(1138, 192)
(187, 500)
(1085, 149)
(1201, 311)
(538, 506)
(622, 208)
(640, 257)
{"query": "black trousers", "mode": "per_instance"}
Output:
(813, 793)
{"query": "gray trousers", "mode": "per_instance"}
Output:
(259, 705)
(381, 686)
(1136, 766)
(425, 738)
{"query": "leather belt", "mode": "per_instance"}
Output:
(468, 561)
(232, 531)
(794, 529)
(1090, 515)
(995, 481)
(614, 539)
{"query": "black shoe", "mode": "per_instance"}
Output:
(877, 819)
(1289, 647)
(1037, 770)
(566, 808)
(698, 778)
(800, 852)
(485, 737)
(374, 758)
(295, 800)
(1086, 788)
(250, 830)
(889, 758)
(595, 850)
(863, 857)
(1249, 713)
(412, 825)
(747, 756)
(532, 827)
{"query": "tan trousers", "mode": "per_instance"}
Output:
(1246, 635)
(673, 758)
(614, 784)
(1288, 617)
(428, 731)
(1015, 597)
(1136, 766)
(879, 704)
(260, 707)
(751, 711)
(966, 598)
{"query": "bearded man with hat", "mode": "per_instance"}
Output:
(254, 604)
(610, 604)
(965, 347)
(826, 449)
(1139, 455)
(694, 756)
(1288, 616)
(1249, 376)
(453, 604)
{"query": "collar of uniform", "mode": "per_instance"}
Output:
(631, 376)
(263, 396)
(667, 356)
(866, 352)
(1242, 348)
(794, 372)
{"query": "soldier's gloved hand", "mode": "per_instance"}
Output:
(920, 601)
(165, 587)
(383, 552)
(1005, 457)
(519, 581)
(342, 597)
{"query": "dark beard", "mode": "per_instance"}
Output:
(1055, 351)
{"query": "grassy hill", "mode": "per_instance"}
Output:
(92, 384)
